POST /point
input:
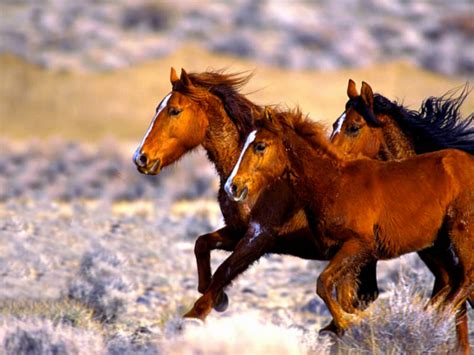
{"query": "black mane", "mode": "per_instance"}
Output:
(437, 125)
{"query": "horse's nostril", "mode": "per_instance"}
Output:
(141, 160)
(234, 188)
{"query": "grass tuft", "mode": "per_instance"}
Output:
(400, 323)
(102, 286)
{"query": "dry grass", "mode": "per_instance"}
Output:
(61, 311)
(39, 103)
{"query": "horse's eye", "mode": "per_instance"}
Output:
(259, 147)
(173, 111)
(352, 130)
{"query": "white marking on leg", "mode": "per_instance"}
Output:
(257, 231)
(160, 108)
(339, 123)
(228, 184)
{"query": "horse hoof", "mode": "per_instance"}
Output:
(222, 302)
(331, 329)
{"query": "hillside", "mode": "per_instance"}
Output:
(35, 102)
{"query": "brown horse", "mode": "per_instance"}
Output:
(378, 128)
(355, 204)
(381, 129)
(207, 109)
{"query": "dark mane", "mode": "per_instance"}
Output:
(226, 87)
(437, 125)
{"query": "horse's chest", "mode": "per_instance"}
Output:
(235, 215)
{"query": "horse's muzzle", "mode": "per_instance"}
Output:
(145, 165)
(237, 194)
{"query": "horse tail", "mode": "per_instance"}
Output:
(440, 125)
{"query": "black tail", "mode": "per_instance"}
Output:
(439, 124)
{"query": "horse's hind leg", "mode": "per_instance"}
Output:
(442, 262)
(346, 263)
(355, 293)
(367, 289)
(461, 233)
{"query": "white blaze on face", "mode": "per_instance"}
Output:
(338, 125)
(228, 184)
(160, 108)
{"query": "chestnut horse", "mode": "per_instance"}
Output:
(355, 204)
(206, 109)
(378, 128)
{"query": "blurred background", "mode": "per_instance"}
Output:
(97, 68)
(79, 83)
(94, 71)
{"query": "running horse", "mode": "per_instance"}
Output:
(375, 127)
(206, 109)
(288, 163)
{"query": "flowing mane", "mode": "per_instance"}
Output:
(311, 131)
(226, 87)
(437, 125)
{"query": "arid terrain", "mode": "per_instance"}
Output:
(96, 258)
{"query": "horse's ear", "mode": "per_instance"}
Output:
(267, 114)
(351, 89)
(367, 94)
(185, 78)
(173, 76)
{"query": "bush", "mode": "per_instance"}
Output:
(36, 336)
(59, 312)
(102, 286)
(400, 323)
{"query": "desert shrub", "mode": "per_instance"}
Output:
(63, 311)
(68, 171)
(120, 344)
(35, 336)
(400, 323)
(101, 285)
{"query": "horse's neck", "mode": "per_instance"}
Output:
(222, 141)
(397, 144)
(316, 167)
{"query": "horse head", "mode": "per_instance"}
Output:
(263, 159)
(357, 130)
(179, 125)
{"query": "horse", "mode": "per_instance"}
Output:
(375, 127)
(355, 204)
(206, 109)
(382, 129)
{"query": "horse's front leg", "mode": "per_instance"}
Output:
(224, 239)
(346, 264)
(249, 249)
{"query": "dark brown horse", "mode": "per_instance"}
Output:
(355, 204)
(207, 109)
(378, 128)
(381, 129)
